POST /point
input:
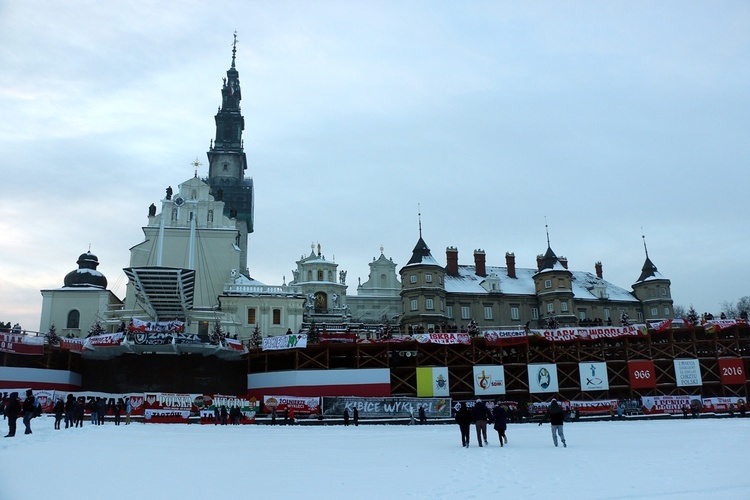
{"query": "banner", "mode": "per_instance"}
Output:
(169, 338)
(661, 326)
(298, 404)
(165, 407)
(212, 407)
(592, 407)
(46, 399)
(432, 381)
(75, 345)
(721, 404)
(543, 378)
(106, 340)
(489, 380)
(593, 376)
(642, 374)
(21, 344)
(166, 416)
(393, 407)
(505, 337)
(342, 338)
(668, 404)
(443, 338)
(732, 371)
(294, 341)
(155, 326)
(591, 333)
(716, 325)
(687, 372)
(235, 345)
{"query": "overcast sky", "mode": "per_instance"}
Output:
(605, 118)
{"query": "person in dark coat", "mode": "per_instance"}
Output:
(555, 416)
(500, 418)
(346, 417)
(12, 410)
(58, 410)
(28, 407)
(224, 415)
(422, 415)
(463, 419)
(481, 415)
(79, 412)
(355, 417)
(117, 410)
(70, 409)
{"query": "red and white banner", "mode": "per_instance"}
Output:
(591, 333)
(732, 371)
(341, 338)
(591, 407)
(298, 405)
(164, 407)
(443, 338)
(365, 382)
(235, 345)
(668, 404)
(106, 340)
(166, 416)
(660, 326)
(720, 404)
(75, 345)
(506, 337)
(716, 325)
(21, 344)
(642, 374)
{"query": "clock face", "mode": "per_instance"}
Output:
(179, 201)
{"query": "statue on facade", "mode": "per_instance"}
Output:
(169, 192)
(342, 277)
(335, 300)
(152, 210)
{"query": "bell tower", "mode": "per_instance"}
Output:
(227, 162)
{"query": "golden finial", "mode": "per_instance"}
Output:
(195, 165)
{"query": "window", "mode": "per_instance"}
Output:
(429, 304)
(667, 313)
(203, 328)
(550, 307)
(534, 313)
(309, 275)
(277, 316)
(442, 306)
(564, 307)
(449, 311)
(413, 278)
(654, 311)
(251, 316)
(320, 275)
(547, 283)
(428, 278)
(440, 280)
(560, 283)
(514, 313)
(663, 292)
(414, 304)
(487, 312)
(581, 314)
(640, 316)
(74, 319)
(465, 312)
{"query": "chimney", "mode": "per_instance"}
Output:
(451, 257)
(510, 262)
(598, 267)
(563, 261)
(539, 262)
(479, 263)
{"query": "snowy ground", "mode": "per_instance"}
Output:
(678, 458)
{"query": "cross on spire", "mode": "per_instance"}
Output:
(234, 48)
(195, 163)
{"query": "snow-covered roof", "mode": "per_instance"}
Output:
(583, 283)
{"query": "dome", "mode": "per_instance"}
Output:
(86, 275)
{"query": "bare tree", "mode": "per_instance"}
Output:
(679, 311)
(729, 309)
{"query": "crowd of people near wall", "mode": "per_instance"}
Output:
(72, 410)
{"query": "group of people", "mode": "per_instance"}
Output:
(480, 416)
(72, 410)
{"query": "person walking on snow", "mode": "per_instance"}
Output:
(500, 417)
(463, 419)
(555, 415)
(481, 416)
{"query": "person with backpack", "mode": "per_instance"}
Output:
(481, 415)
(29, 410)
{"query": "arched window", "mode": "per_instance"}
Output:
(74, 319)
